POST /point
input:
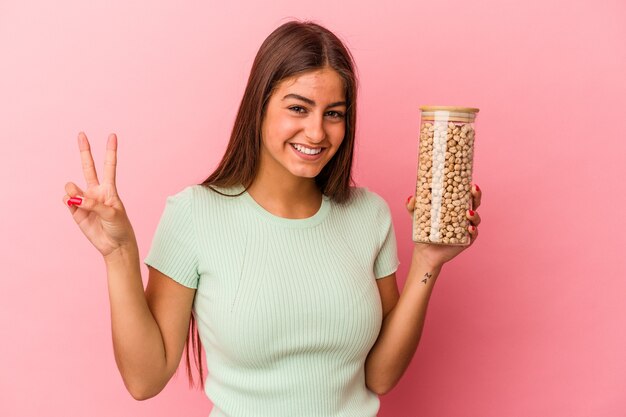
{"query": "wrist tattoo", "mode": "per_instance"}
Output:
(427, 275)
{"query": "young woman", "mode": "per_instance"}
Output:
(285, 265)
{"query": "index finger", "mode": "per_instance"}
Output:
(110, 160)
(89, 170)
(477, 195)
(410, 205)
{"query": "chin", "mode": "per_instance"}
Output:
(305, 174)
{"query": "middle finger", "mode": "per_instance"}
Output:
(475, 217)
(110, 160)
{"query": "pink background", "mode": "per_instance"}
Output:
(528, 322)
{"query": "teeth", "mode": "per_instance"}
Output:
(306, 150)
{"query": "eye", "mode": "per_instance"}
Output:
(297, 109)
(336, 114)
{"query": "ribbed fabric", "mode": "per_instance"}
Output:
(287, 309)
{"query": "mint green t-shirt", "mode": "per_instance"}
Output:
(287, 309)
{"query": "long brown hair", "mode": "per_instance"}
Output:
(293, 48)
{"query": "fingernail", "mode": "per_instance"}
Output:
(75, 200)
(408, 199)
(477, 189)
(472, 228)
(471, 213)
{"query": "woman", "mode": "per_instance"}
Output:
(287, 267)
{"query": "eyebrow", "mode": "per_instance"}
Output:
(311, 102)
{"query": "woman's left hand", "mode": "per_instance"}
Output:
(436, 255)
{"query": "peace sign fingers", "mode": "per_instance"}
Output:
(89, 169)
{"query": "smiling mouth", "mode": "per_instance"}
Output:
(306, 151)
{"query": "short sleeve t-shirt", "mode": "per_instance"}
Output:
(287, 309)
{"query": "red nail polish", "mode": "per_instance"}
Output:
(75, 200)
(408, 199)
(477, 189)
(471, 212)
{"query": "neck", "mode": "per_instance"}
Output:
(286, 196)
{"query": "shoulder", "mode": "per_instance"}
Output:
(204, 194)
(364, 207)
(185, 198)
(184, 194)
(204, 207)
(367, 200)
(181, 198)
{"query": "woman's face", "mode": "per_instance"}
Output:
(305, 113)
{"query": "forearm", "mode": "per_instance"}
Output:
(137, 341)
(401, 330)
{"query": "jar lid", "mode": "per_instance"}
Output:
(449, 114)
(450, 108)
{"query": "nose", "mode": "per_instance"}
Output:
(314, 129)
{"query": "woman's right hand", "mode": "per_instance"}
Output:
(101, 215)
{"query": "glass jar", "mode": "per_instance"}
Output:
(444, 175)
